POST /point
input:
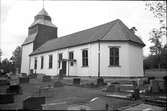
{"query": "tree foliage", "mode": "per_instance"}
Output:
(7, 66)
(0, 55)
(16, 58)
(156, 40)
(158, 56)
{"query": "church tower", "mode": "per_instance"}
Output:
(40, 31)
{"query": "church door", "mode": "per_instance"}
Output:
(64, 67)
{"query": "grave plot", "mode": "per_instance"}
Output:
(46, 79)
(4, 81)
(6, 98)
(14, 89)
(123, 89)
(14, 79)
(141, 107)
(23, 79)
(33, 103)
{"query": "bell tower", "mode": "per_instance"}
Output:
(40, 31)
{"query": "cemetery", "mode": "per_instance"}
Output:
(43, 92)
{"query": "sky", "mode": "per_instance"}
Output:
(71, 16)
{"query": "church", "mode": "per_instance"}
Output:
(107, 50)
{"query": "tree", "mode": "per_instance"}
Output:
(7, 66)
(0, 55)
(16, 58)
(155, 39)
(159, 11)
(158, 56)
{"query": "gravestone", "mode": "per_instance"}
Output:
(6, 98)
(110, 88)
(76, 81)
(32, 76)
(14, 89)
(154, 86)
(40, 76)
(14, 79)
(24, 79)
(46, 78)
(100, 81)
(33, 103)
(58, 84)
(23, 74)
(4, 81)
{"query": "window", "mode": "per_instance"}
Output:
(71, 57)
(60, 57)
(114, 56)
(84, 58)
(50, 61)
(42, 59)
(35, 63)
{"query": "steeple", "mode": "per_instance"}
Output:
(43, 18)
(41, 30)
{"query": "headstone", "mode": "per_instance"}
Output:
(33, 103)
(46, 78)
(24, 80)
(76, 81)
(100, 81)
(110, 88)
(33, 76)
(14, 79)
(6, 98)
(14, 89)
(23, 74)
(4, 81)
(40, 76)
(58, 84)
(154, 86)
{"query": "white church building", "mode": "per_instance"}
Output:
(110, 50)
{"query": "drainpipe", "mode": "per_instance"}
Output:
(98, 58)
(29, 65)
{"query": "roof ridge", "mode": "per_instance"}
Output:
(123, 29)
(128, 30)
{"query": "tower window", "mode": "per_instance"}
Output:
(114, 56)
(84, 58)
(50, 61)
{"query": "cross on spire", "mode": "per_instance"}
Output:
(43, 3)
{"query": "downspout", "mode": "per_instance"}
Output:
(29, 64)
(98, 58)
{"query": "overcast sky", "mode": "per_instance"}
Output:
(70, 17)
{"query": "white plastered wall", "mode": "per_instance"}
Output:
(76, 69)
(26, 50)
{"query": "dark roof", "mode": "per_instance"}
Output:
(30, 38)
(112, 31)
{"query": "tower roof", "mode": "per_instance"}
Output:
(43, 18)
(43, 12)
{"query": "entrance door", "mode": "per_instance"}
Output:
(64, 68)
